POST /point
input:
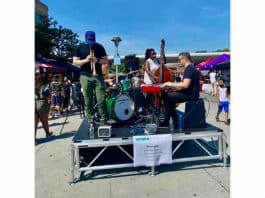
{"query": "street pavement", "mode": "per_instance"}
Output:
(184, 180)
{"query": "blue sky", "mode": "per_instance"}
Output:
(187, 25)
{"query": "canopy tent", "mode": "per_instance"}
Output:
(208, 60)
(54, 66)
(218, 60)
(224, 65)
(69, 67)
(44, 67)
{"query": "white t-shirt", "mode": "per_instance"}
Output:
(153, 67)
(212, 77)
(223, 94)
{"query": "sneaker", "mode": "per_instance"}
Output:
(49, 134)
(217, 119)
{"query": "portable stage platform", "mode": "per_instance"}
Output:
(117, 151)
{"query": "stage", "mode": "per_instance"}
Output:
(190, 145)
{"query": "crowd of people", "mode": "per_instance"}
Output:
(55, 96)
(64, 95)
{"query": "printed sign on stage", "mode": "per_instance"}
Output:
(152, 150)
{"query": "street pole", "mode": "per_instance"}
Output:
(116, 41)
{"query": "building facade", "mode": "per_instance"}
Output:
(41, 11)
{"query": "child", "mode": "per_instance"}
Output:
(222, 94)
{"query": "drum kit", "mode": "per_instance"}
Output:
(122, 98)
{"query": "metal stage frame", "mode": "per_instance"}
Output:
(200, 137)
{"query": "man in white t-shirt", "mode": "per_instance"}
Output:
(212, 76)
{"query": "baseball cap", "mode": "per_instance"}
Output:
(90, 37)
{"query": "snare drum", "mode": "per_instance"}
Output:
(120, 107)
(125, 85)
(136, 82)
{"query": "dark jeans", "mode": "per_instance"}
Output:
(138, 97)
(170, 101)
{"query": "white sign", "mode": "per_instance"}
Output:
(152, 150)
(117, 60)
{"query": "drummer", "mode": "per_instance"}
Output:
(108, 79)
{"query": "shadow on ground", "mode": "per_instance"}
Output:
(55, 137)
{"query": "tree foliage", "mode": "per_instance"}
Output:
(121, 68)
(223, 50)
(53, 41)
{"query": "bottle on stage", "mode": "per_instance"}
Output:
(171, 125)
(180, 121)
(91, 131)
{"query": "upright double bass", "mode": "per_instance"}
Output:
(163, 72)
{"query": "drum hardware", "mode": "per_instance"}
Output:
(109, 81)
(133, 73)
(112, 91)
(125, 85)
(155, 110)
(150, 128)
(136, 81)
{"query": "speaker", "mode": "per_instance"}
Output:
(104, 131)
(194, 116)
(132, 63)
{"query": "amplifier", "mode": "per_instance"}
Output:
(194, 116)
(104, 131)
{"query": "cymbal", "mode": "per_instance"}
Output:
(108, 79)
(132, 72)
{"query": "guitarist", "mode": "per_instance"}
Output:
(186, 90)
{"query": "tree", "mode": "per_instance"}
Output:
(121, 68)
(223, 50)
(64, 41)
(54, 42)
(201, 51)
(43, 37)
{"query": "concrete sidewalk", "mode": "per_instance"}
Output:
(52, 170)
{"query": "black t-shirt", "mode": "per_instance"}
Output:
(192, 73)
(82, 51)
